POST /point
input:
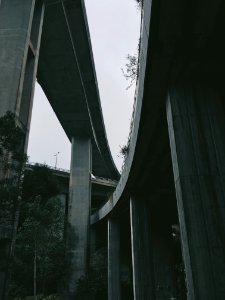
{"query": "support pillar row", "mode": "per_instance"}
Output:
(196, 123)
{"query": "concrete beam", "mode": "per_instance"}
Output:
(114, 292)
(79, 211)
(141, 250)
(195, 113)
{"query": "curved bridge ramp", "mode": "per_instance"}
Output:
(67, 75)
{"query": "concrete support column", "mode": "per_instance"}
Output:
(196, 124)
(20, 36)
(114, 292)
(79, 211)
(141, 250)
(164, 267)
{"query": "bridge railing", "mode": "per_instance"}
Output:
(31, 164)
(97, 178)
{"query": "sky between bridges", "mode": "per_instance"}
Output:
(115, 28)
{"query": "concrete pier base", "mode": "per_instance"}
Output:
(79, 211)
(141, 250)
(114, 291)
(196, 122)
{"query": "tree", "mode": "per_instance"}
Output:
(39, 251)
(12, 160)
(39, 182)
(139, 3)
(35, 246)
(124, 150)
(131, 69)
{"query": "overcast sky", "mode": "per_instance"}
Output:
(115, 27)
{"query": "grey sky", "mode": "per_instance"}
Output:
(114, 27)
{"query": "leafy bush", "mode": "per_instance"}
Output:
(124, 150)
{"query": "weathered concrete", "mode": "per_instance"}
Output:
(114, 291)
(126, 179)
(20, 36)
(165, 246)
(195, 112)
(15, 29)
(164, 267)
(79, 211)
(143, 285)
(31, 68)
(92, 241)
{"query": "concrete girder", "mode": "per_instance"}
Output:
(67, 75)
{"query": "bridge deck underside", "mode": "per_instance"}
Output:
(67, 75)
(183, 44)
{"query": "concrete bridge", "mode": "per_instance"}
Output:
(168, 207)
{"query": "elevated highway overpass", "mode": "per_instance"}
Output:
(172, 186)
(67, 75)
(168, 207)
(50, 40)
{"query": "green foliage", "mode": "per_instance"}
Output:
(124, 150)
(34, 258)
(40, 247)
(10, 134)
(12, 160)
(131, 69)
(39, 182)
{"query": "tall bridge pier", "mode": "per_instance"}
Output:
(79, 210)
(20, 30)
(195, 112)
